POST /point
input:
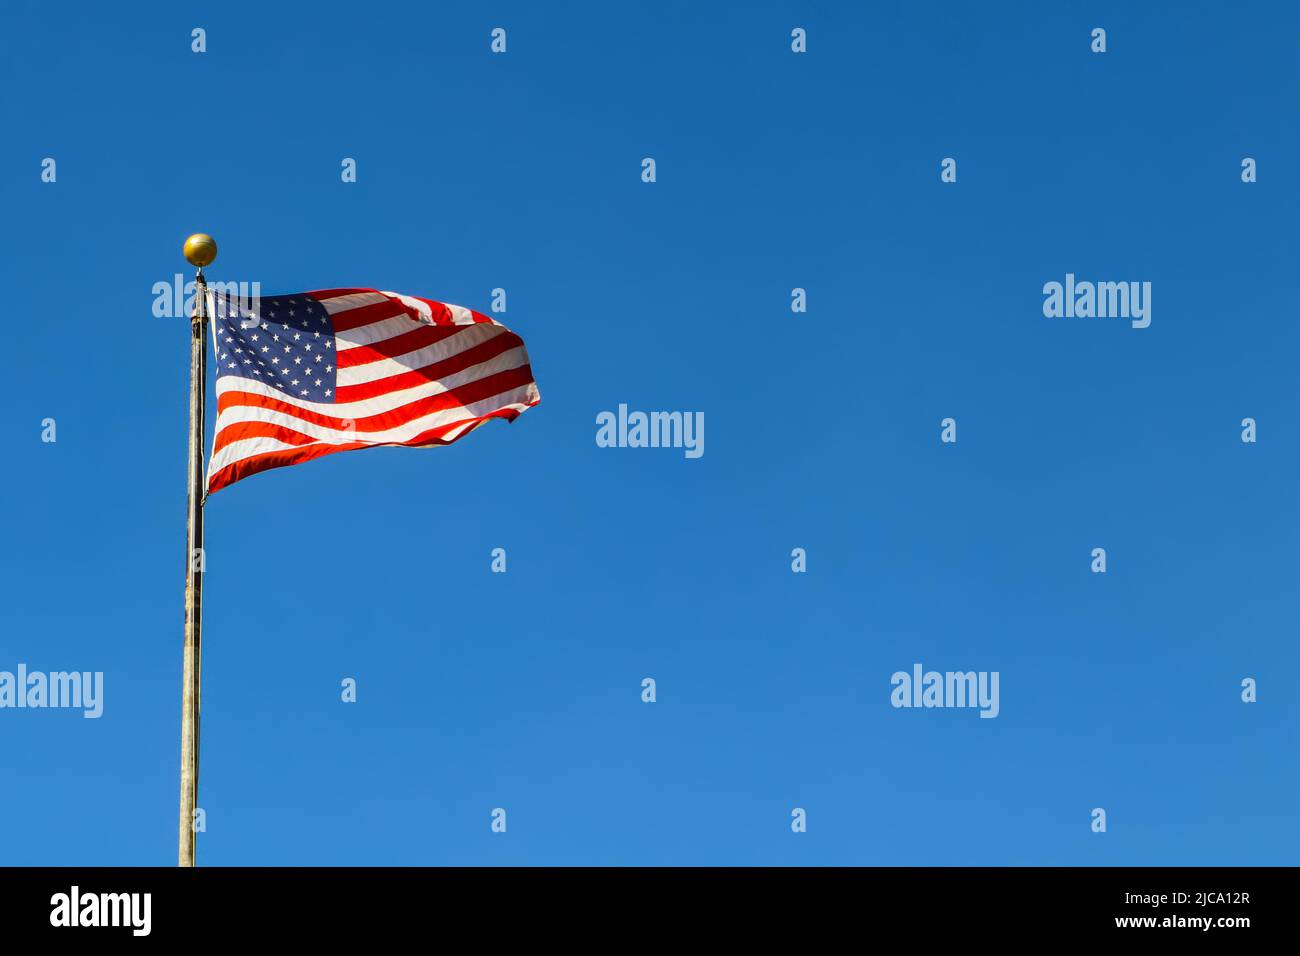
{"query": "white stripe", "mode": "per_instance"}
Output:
(396, 325)
(512, 358)
(525, 394)
(517, 398)
(519, 395)
(459, 314)
(455, 433)
(418, 358)
(374, 332)
(354, 300)
(249, 447)
(423, 313)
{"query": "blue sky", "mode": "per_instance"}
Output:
(774, 171)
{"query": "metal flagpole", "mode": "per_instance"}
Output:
(200, 250)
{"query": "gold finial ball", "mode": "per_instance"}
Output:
(200, 249)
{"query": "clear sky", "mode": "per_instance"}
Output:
(775, 170)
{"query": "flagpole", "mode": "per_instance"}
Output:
(200, 250)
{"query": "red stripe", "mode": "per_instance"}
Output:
(367, 314)
(474, 391)
(321, 295)
(434, 434)
(435, 371)
(398, 345)
(442, 312)
(272, 459)
(292, 456)
(281, 433)
(238, 431)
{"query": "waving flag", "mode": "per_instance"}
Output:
(317, 372)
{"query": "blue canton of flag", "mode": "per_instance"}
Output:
(285, 341)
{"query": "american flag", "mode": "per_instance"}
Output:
(300, 376)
